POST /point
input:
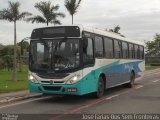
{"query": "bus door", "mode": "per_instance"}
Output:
(88, 64)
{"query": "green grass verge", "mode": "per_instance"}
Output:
(150, 67)
(8, 85)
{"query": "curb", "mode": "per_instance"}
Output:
(18, 98)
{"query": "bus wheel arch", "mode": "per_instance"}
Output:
(132, 80)
(101, 85)
(104, 79)
(132, 72)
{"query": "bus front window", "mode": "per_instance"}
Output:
(54, 55)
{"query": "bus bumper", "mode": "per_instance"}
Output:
(73, 89)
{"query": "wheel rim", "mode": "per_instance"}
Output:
(100, 88)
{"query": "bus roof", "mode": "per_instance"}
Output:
(102, 32)
(109, 34)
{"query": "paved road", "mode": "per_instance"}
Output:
(143, 98)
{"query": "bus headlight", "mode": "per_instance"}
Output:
(73, 79)
(32, 78)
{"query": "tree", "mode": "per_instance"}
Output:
(49, 14)
(12, 14)
(72, 7)
(1, 46)
(153, 47)
(24, 45)
(116, 30)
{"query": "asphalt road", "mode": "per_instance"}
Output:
(143, 98)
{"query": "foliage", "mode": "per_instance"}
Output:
(72, 6)
(8, 61)
(154, 61)
(153, 47)
(116, 30)
(12, 14)
(6, 55)
(8, 50)
(155, 64)
(1, 46)
(49, 14)
(24, 46)
(1, 64)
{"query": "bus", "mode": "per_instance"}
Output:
(76, 60)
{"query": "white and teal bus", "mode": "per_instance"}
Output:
(76, 60)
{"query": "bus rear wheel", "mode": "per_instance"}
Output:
(132, 80)
(101, 88)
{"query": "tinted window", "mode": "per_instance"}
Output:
(125, 49)
(141, 52)
(131, 50)
(40, 52)
(136, 51)
(98, 46)
(50, 32)
(108, 46)
(56, 55)
(88, 48)
(117, 49)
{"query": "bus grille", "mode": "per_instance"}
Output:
(52, 88)
(53, 76)
(48, 82)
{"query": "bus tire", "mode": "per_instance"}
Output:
(100, 89)
(132, 80)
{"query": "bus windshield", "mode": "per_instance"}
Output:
(54, 55)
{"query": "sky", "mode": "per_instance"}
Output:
(139, 19)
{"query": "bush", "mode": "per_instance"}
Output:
(8, 61)
(155, 64)
(154, 61)
(2, 66)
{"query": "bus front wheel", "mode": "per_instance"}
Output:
(100, 89)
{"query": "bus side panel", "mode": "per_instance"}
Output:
(116, 71)
(90, 80)
(91, 74)
(120, 73)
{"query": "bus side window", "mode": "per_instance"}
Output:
(136, 51)
(98, 47)
(141, 52)
(108, 46)
(125, 50)
(117, 49)
(88, 57)
(131, 50)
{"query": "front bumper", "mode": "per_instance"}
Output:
(55, 88)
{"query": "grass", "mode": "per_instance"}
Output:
(8, 85)
(150, 67)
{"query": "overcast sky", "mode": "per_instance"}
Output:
(139, 19)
